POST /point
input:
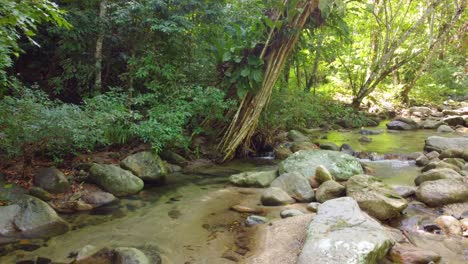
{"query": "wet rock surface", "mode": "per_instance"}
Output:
(342, 233)
(340, 165)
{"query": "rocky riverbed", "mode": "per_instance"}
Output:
(375, 195)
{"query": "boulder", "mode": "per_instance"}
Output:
(445, 129)
(422, 161)
(441, 143)
(96, 197)
(432, 123)
(433, 155)
(403, 124)
(295, 185)
(30, 217)
(329, 146)
(342, 233)
(398, 125)
(442, 192)
(297, 136)
(449, 224)
(370, 132)
(173, 158)
(290, 213)
(125, 255)
(460, 163)
(454, 120)
(374, 197)
(409, 254)
(340, 165)
(329, 190)
(115, 180)
(322, 174)
(437, 174)
(451, 153)
(51, 180)
(275, 196)
(254, 178)
(146, 165)
(439, 165)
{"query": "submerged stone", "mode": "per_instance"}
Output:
(254, 178)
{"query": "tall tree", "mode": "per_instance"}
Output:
(279, 45)
(99, 43)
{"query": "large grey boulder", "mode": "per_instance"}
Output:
(342, 166)
(374, 197)
(115, 180)
(51, 180)
(295, 185)
(145, 165)
(437, 174)
(342, 233)
(30, 217)
(275, 196)
(329, 190)
(445, 129)
(254, 178)
(441, 143)
(402, 123)
(442, 192)
(454, 120)
(432, 123)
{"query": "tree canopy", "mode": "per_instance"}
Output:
(104, 72)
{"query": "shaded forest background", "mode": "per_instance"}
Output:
(76, 76)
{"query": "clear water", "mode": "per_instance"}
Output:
(186, 221)
(402, 142)
(189, 221)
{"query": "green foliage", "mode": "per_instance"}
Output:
(166, 121)
(20, 18)
(296, 110)
(33, 124)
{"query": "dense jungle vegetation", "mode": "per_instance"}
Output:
(76, 76)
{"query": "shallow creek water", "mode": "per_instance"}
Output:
(188, 220)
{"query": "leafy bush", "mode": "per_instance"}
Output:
(168, 118)
(295, 110)
(33, 124)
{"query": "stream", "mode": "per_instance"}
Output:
(189, 220)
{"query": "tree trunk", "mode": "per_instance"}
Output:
(244, 122)
(99, 43)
